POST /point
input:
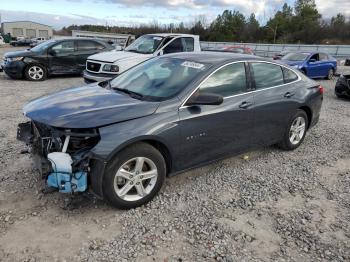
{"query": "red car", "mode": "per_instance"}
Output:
(238, 49)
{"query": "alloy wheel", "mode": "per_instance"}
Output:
(36, 72)
(135, 179)
(297, 130)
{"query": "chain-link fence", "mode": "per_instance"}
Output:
(268, 50)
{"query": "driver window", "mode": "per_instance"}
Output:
(227, 81)
(175, 46)
(63, 48)
(315, 56)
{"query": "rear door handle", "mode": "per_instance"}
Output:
(245, 105)
(289, 94)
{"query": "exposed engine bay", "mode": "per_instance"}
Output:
(62, 156)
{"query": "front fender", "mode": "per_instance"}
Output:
(160, 127)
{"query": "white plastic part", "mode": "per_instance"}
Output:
(65, 145)
(61, 162)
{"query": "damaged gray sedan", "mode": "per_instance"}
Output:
(121, 138)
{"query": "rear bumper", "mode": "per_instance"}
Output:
(96, 77)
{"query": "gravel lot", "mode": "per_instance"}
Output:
(265, 205)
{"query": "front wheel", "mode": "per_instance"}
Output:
(134, 176)
(295, 132)
(35, 72)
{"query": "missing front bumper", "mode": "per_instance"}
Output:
(25, 132)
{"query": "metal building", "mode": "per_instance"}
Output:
(27, 29)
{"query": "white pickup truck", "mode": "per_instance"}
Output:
(107, 65)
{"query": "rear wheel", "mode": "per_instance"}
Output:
(330, 74)
(295, 132)
(134, 176)
(35, 72)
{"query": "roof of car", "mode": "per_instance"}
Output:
(236, 46)
(215, 57)
(170, 34)
(77, 38)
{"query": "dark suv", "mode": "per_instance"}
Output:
(53, 57)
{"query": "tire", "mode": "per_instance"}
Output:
(35, 72)
(330, 74)
(124, 184)
(286, 142)
(338, 95)
(304, 71)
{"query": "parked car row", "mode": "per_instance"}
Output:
(121, 138)
(160, 107)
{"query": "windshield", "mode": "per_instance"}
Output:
(42, 46)
(295, 56)
(158, 78)
(146, 44)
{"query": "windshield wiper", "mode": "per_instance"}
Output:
(130, 93)
(138, 52)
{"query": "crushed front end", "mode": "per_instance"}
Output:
(62, 156)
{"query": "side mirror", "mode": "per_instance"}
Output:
(205, 99)
(52, 52)
(161, 52)
(313, 60)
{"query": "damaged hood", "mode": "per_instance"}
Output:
(87, 107)
(23, 53)
(115, 56)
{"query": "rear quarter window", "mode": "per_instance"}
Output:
(289, 75)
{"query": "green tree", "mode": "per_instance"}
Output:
(306, 22)
(252, 30)
(278, 28)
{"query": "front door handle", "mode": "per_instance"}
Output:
(245, 104)
(288, 95)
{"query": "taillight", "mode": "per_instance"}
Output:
(321, 89)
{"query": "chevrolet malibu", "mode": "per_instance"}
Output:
(122, 138)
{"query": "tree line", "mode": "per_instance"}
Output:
(301, 23)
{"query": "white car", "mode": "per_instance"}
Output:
(37, 40)
(107, 65)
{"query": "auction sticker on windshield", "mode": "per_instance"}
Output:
(193, 65)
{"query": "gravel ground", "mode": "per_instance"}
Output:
(265, 205)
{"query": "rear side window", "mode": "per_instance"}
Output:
(89, 45)
(267, 75)
(289, 75)
(227, 81)
(324, 57)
